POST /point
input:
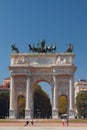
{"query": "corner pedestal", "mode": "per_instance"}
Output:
(28, 114)
(55, 114)
(12, 114)
(71, 114)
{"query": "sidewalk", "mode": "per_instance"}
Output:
(21, 124)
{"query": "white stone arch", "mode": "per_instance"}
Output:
(25, 69)
(36, 79)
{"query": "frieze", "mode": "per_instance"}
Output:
(41, 71)
(56, 59)
(21, 70)
(42, 60)
(21, 60)
(63, 71)
(64, 60)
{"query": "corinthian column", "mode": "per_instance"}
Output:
(11, 93)
(54, 94)
(12, 101)
(55, 108)
(71, 98)
(71, 93)
(28, 99)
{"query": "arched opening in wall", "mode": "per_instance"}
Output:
(42, 100)
(21, 106)
(63, 105)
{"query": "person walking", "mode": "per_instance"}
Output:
(27, 122)
(32, 122)
(67, 121)
(63, 122)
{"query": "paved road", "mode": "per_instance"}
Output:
(43, 128)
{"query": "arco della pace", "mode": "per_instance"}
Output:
(26, 69)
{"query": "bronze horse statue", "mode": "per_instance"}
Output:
(52, 48)
(70, 48)
(14, 48)
(33, 48)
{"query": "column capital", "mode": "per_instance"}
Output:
(12, 74)
(54, 72)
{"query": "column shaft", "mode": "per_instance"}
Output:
(12, 112)
(12, 93)
(28, 94)
(54, 94)
(28, 114)
(71, 96)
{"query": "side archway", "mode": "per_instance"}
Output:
(21, 106)
(63, 104)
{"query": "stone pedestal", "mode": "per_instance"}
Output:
(12, 114)
(71, 114)
(28, 114)
(55, 114)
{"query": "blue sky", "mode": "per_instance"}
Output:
(57, 21)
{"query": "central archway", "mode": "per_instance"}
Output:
(42, 100)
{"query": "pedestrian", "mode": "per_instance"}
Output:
(67, 121)
(63, 122)
(32, 122)
(27, 122)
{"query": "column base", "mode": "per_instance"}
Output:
(71, 114)
(28, 114)
(55, 114)
(12, 114)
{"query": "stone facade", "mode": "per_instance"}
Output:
(29, 68)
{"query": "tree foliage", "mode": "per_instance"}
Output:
(81, 104)
(4, 104)
(42, 105)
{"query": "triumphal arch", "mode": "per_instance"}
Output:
(26, 69)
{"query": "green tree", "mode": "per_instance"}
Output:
(81, 104)
(42, 105)
(62, 104)
(4, 104)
